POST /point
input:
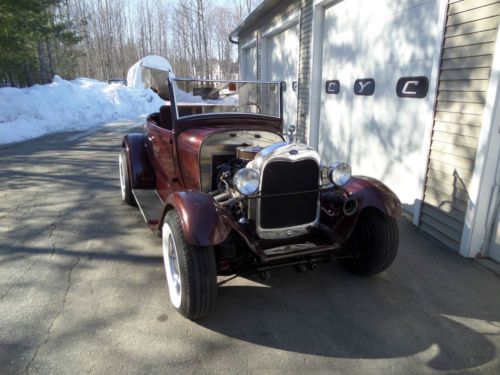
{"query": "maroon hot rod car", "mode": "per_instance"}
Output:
(215, 177)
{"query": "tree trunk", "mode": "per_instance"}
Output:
(41, 62)
(50, 55)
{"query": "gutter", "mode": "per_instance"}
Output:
(253, 17)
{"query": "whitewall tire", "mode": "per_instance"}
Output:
(125, 185)
(171, 261)
(191, 271)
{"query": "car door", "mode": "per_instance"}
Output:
(160, 150)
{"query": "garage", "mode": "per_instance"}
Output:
(405, 91)
(362, 120)
(281, 63)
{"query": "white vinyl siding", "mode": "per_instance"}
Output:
(468, 47)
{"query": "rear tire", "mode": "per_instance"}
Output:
(125, 186)
(191, 271)
(374, 243)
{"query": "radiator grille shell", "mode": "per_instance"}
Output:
(293, 175)
(287, 177)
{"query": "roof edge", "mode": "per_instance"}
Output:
(254, 16)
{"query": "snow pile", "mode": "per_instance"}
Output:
(69, 105)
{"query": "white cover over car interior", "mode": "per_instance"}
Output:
(135, 76)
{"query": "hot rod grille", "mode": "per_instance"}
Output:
(289, 177)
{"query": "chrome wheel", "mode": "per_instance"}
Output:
(171, 261)
(122, 177)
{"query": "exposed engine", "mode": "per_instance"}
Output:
(229, 255)
(224, 173)
(247, 152)
(227, 193)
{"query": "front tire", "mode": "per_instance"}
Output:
(374, 243)
(125, 186)
(190, 270)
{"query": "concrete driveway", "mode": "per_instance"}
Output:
(82, 289)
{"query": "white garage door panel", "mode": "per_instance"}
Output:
(282, 64)
(352, 14)
(283, 53)
(380, 135)
(250, 63)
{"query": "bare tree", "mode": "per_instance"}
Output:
(191, 34)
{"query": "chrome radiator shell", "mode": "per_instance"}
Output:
(281, 154)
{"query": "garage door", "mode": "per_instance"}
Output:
(249, 64)
(377, 42)
(283, 65)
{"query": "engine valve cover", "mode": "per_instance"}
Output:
(247, 152)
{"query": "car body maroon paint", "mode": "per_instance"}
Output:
(370, 192)
(202, 221)
(160, 148)
(198, 166)
(177, 170)
(140, 170)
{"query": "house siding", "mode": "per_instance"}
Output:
(467, 55)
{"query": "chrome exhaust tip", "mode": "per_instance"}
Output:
(350, 207)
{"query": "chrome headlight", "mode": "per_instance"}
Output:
(247, 181)
(339, 173)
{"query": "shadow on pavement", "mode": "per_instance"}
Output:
(401, 312)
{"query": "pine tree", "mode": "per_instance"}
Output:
(31, 33)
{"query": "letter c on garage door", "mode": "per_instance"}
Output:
(412, 87)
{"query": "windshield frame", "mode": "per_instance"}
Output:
(222, 114)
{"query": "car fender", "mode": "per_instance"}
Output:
(369, 192)
(139, 167)
(202, 221)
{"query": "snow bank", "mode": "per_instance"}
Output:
(69, 105)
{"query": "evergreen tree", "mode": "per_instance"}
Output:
(32, 33)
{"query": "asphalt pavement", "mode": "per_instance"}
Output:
(82, 290)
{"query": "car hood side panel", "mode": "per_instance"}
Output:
(191, 144)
